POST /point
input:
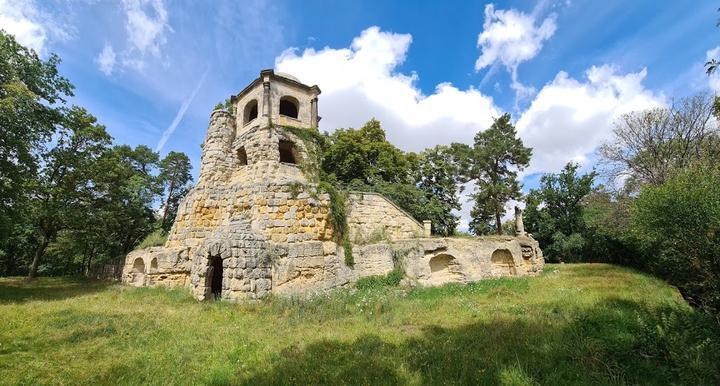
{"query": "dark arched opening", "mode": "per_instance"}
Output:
(216, 279)
(289, 107)
(250, 112)
(288, 152)
(242, 156)
(153, 264)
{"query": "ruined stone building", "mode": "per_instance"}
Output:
(258, 223)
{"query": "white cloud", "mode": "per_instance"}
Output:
(569, 119)
(106, 60)
(714, 79)
(21, 19)
(146, 25)
(360, 82)
(33, 26)
(181, 113)
(511, 37)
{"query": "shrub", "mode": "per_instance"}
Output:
(678, 227)
(392, 279)
(155, 239)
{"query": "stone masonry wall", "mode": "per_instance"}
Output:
(372, 217)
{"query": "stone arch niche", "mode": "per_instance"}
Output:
(289, 107)
(444, 268)
(503, 263)
(250, 112)
(153, 264)
(138, 271)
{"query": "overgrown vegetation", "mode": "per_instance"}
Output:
(155, 239)
(392, 279)
(576, 324)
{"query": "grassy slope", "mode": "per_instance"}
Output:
(576, 324)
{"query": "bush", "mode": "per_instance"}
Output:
(678, 227)
(392, 279)
(155, 239)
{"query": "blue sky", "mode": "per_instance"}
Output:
(432, 72)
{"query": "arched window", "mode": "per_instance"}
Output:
(242, 156)
(153, 264)
(288, 152)
(289, 107)
(250, 112)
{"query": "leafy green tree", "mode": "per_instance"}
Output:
(31, 97)
(554, 212)
(492, 164)
(364, 156)
(175, 178)
(65, 183)
(436, 173)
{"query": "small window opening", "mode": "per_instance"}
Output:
(242, 156)
(250, 112)
(288, 153)
(153, 263)
(289, 107)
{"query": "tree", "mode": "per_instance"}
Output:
(175, 178)
(436, 174)
(364, 156)
(492, 164)
(31, 97)
(678, 225)
(651, 146)
(66, 181)
(554, 212)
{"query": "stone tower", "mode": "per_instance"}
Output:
(258, 222)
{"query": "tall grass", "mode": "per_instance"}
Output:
(575, 324)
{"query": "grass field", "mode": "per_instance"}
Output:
(576, 324)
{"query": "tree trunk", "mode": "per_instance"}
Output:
(39, 253)
(498, 225)
(167, 202)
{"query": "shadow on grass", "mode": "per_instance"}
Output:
(616, 342)
(18, 290)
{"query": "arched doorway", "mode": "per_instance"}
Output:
(215, 271)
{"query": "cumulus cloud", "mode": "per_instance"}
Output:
(360, 82)
(510, 37)
(569, 118)
(106, 60)
(566, 120)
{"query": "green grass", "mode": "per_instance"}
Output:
(575, 324)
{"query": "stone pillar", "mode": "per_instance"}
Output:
(266, 100)
(427, 228)
(519, 226)
(314, 112)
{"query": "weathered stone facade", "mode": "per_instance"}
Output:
(257, 223)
